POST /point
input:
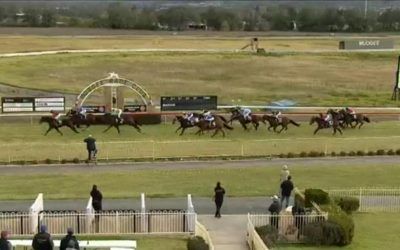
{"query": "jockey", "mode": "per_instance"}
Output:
(328, 118)
(246, 113)
(351, 112)
(118, 113)
(208, 117)
(188, 116)
(277, 115)
(81, 111)
(56, 116)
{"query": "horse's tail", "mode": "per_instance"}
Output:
(294, 123)
(228, 127)
(365, 118)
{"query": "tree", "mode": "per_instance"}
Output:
(48, 18)
(120, 17)
(178, 17)
(32, 17)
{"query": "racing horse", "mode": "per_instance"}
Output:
(112, 121)
(322, 124)
(53, 124)
(274, 122)
(185, 123)
(348, 119)
(218, 125)
(255, 119)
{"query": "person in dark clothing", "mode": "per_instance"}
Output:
(275, 209)
(286, 187)
(219, 199)
(42, 240)
(298, 213)
(97, 198)
(91, 147)
(4, 243)
(69, 242)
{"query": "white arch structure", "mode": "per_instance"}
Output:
(113, 80)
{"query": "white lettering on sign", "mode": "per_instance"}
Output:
(369, 43)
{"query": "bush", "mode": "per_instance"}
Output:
(290, 155)
(360, 153)
(348, 204)
(303, 154)
(281, 155)
(34, 162)
(333, 153)
(268, 234)
(352, 153)
(197, 243)
(318, 196)
(48, 161)
(398, 152)
(322, 154)
(391, 152)
(313, 154)
(299, 200)
(75, 160)
(380, 152)
(345, 234)
(63, 161)
(371, 153)
(342, 153)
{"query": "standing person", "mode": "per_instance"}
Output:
(287, 188)
(97, 198)
(4, 243)
(42, 240)
(283, 176)
(90, 146)
(219, 199)
(275, 209)
(69, 242)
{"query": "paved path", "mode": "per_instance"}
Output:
(266, 162)
(227, 232)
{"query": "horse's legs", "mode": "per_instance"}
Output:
(110, 126)
(48, 130)
(361, 124)
(256, 124)
(117, 127)
(136, 127)
(176, 131)
(281, 129)
(244, 125)
(199, 132)
(183, 130)
(73, 128)
(58, 130)
(223, 132)
(316, 130)
(215, 132)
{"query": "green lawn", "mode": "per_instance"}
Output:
(310, 79)
(248, 181)
(26, 142)
(372, 231)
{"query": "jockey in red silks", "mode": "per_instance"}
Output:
(56, 116)
(351, 111)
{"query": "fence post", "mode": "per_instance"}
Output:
(360, 198)
(242, 149)
(154, 151)
(326, 149)
(143, 214)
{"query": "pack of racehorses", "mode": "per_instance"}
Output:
(339, 120)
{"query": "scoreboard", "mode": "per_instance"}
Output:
(176, 103)
(32, 104)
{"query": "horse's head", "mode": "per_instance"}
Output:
(313, 119)
(44, 119)
(176, 118)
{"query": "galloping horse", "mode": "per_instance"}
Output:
(53, 124)
(274, 123)
(184, 123)
(321, 124)
(112, 121)
(255, 119)
(349, 119)
(218, 125)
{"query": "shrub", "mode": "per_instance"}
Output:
(268, 234)
(348, 204)
(345, 234)
(282, 155)
(75, 160)
(380, 152)
(318, 196)
(360, 153)
(299, 200)
(303, 154)
(22, 162)
(333, 153)
(391, 152)
(342, 153)
(313, 154)
(321, 154)
(398, 152)
(63, 161)
(48, 161)
(352, 153)
(290, 155)
(197, 243)
(371, 153)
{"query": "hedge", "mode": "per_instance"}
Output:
(268, 234)
(318, 196)
(197, 243)
(348, 204)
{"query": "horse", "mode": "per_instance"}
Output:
(53, 124)
(321, 124)
(112, 121)
(184, 123)
(349, 119)
(218, 125)
(274, 122)
(255, 119)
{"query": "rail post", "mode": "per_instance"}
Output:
(242, 149)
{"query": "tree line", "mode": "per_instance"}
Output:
(127, 16)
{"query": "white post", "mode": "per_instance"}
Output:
(242, 149)
(360, 198)
(154, 151)
(143, 213)
(90, 215)
(34, 211)
(190, 214)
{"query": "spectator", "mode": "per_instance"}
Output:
(284, 173)
(219, 199)
(91, 147)
(42, 240)
(4, 243)
(286, 187)
(69, 242)
(97, 198)
(298, 213)
(275, 209)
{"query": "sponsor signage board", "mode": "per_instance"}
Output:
(32, 104)
(176, 103)
(367, 43)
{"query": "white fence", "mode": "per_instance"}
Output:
(202, 232)
(290, 227)
(112, 222)
(254, 240)
(372, 199)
